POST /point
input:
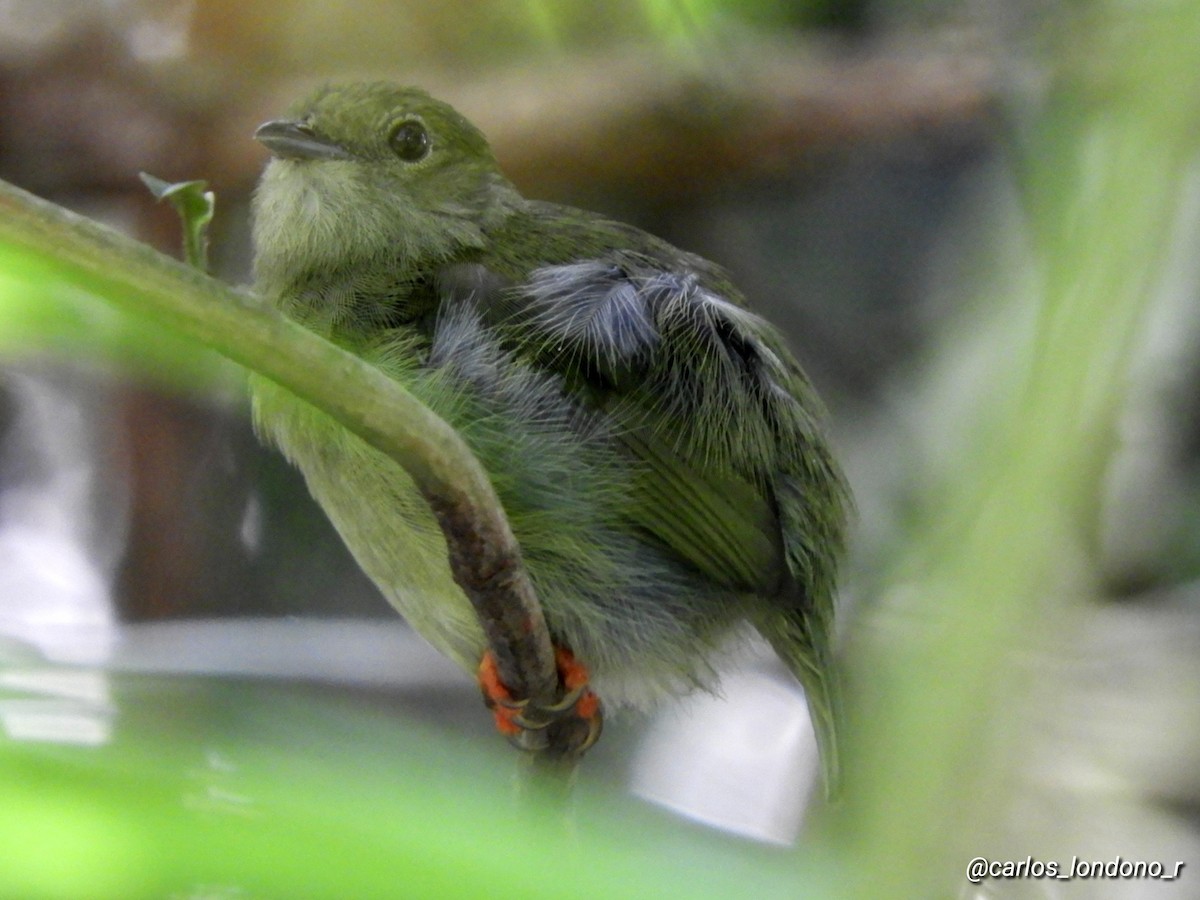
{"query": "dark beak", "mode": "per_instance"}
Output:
(288, 139)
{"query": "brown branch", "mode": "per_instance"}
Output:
(765, 109)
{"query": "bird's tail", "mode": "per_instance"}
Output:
(812, 664)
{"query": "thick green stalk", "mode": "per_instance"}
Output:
(485, 557)
(993, 568)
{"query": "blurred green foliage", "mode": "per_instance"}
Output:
(228, 789)
(44, 311)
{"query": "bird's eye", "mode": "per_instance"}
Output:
(410, 141)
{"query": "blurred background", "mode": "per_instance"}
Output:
(977, 223)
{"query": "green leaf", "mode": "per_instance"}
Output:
(195, 207)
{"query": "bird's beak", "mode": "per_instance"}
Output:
(288, 139)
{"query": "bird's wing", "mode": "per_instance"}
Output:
(721, 523)
(691, 385)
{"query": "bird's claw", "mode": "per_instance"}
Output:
(525, 723)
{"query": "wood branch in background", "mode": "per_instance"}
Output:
(627, 124)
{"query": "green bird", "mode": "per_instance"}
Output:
(658, 451)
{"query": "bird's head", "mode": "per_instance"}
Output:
(371, 169)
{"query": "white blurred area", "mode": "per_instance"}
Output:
(61, 521)
(744, 761)
(61, 535)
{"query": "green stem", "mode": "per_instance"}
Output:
(238, 325)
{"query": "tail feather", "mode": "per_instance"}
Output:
(814, 669)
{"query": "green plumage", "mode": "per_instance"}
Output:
(657, 449)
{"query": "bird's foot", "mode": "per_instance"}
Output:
(575, 720)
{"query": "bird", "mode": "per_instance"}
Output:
(660, 454)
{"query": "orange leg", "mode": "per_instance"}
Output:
(498, 697)
(516, 716)
(574, 677)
